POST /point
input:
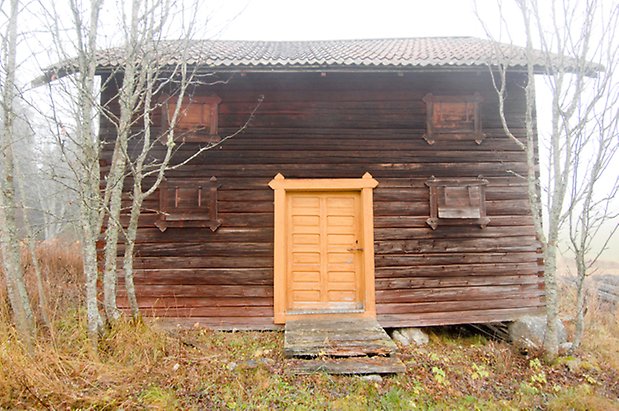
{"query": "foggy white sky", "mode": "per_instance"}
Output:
(342, 19)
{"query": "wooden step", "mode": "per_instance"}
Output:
(349, 365)
(336, 338)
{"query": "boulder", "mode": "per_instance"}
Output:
(528, 332)
(565, 348)
(373, 378)
(408, 336)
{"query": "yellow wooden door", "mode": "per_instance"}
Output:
(324, 256)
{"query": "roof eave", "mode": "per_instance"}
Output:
(204, 69)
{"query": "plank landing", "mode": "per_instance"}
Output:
(340, 346)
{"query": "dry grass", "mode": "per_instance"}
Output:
(601, 338)
(602, 335)
(138, 367)
(61, 271)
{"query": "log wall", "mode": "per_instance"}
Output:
(341, 126)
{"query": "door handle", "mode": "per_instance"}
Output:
(355, 249)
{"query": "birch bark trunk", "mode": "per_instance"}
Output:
(9, 240)
(91, 210)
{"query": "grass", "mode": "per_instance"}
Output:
(142, 367)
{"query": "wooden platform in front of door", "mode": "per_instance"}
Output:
(340, 346)
(347, 365)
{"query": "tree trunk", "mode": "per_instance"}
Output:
(12, 266)
(115, 180)
(130, 237)
(91, 210)
(551, 340)
(89, 255)
(32, 248)
(9, 241)
(580, 301)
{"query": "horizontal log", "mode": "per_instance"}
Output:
(503, 183)
(251, 220)
(451, 306)
(462, 294)
(420, 154)
(471, 230)
(201, 262)
(204, 249)
(457, 317)
(189, 302)
(421, 193)
(386, 263)
(350, 170)
(435, 282)
(223, 234)
(461, 270)
(203, 291)
(455, 245)
(245, 312)
(246, 206)
(407, 221)
(413, 209)
(202, 276)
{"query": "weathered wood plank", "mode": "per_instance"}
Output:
(457, 317)
(341, 338)
(202, 276)
(189, 302)
(456, 269)
(460, 281)
(466, 293)
(353, 365)
(210, 312)
(202, 262)
(205, 249)
(404, 262)
(417, 308)
(178, 291)
(408, 221)
(223, 234)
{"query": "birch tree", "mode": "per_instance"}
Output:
(593, 210)
(27, 179)
(147, 75)
(567, 46)
(140, 70)
(81, 131)
(9, 242)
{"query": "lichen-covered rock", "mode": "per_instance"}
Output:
(528, 332)
(408, 336)
(565, 348)
(373, 378)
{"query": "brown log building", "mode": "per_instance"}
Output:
(374, 179)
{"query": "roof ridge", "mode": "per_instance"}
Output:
(330, 40)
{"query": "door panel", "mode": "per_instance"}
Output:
(324, 256)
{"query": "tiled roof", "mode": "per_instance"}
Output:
(375, 53)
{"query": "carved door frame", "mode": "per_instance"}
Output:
(281, 187)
